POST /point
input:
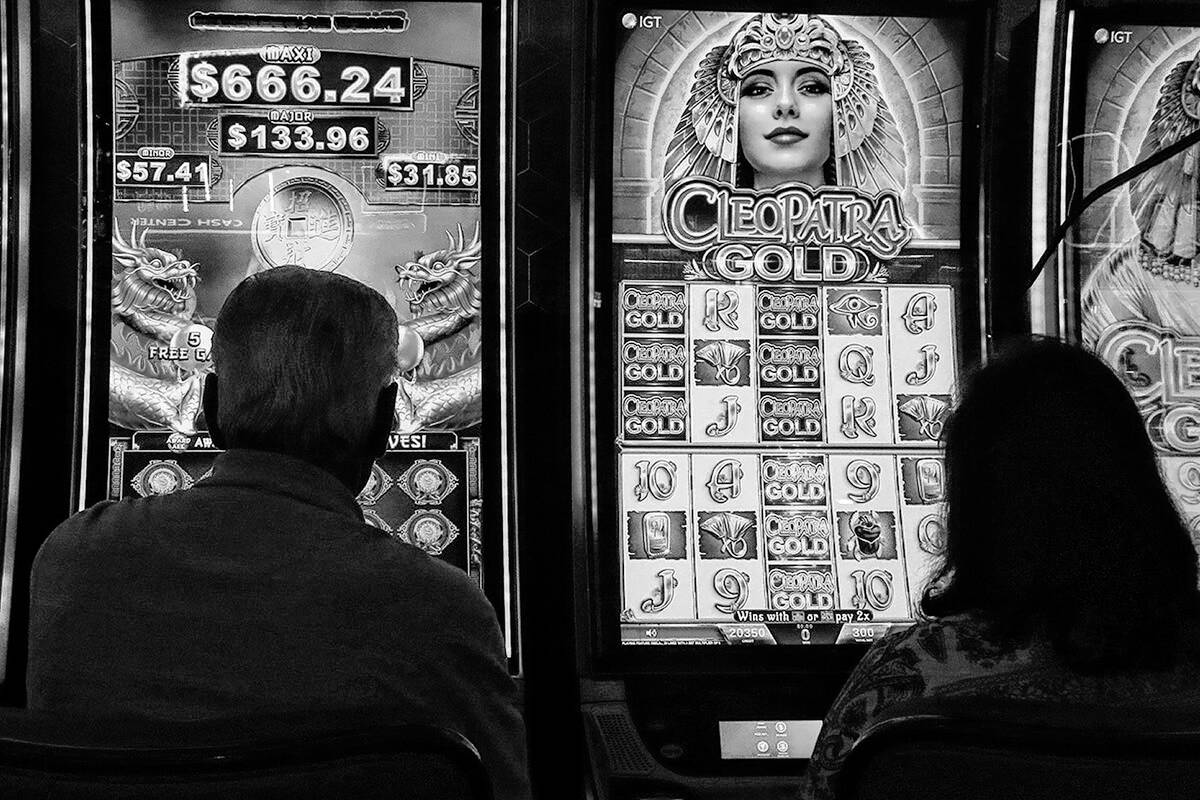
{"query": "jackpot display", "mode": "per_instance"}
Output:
(1134, 252)
(330, 135)
(786, 295)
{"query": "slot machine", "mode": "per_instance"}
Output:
(1120, 84)
(225, 138)
(782, 283)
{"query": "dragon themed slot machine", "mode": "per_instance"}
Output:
(785, 290)
(1125, 283)
(357, 137)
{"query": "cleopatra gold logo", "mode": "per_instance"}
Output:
(833, 234)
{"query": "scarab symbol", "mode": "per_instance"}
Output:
(868, 534)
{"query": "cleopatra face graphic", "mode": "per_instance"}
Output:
(785, 123)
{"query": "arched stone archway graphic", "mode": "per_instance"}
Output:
(918, 63)
(1123, 87)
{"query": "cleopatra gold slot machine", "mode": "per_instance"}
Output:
(224, 138)
(1120, 85)
(782, 283)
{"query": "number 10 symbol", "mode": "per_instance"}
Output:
(872, 589)
(655, 480)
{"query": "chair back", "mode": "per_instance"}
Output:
(981, 750)
(285, 757)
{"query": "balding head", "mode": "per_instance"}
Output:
(302, 358)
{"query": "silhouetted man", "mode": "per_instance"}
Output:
(261, 589)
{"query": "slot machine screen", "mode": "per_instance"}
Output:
(1131, 260)
(790, 308)
(339, 136)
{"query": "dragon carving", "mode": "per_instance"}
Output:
(445, 390)
(153, 298)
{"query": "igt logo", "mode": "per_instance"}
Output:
(631, 21)
(1104, 36)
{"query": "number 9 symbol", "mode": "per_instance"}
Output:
(733, 586)
(863, 475)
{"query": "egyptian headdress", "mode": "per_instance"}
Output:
(867, 147)
(1164, 199)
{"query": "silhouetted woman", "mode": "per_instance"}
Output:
(1068, 575)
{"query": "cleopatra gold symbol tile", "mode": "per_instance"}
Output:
(428, 482)
(160, 478)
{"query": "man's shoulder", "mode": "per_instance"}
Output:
(94, 520)
(337, 548)
(411, 570)
(395, 557)
(118, 518)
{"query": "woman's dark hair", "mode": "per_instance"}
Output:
(1057, 518)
